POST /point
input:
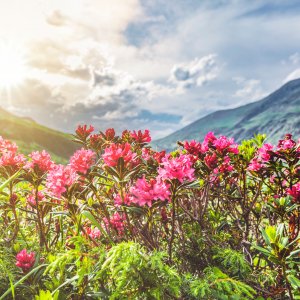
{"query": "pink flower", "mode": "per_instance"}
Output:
(287, 144)
(12, 159)
(7, 146)
(114, 152)
(144, 193)
(158, 156)
(193, 147)
(25, 260)
(110, 134)
(126, 199)
(141, 137)
(209, 138)
(225, 166)
(41, 160)
(94, 233)
(211, 160)
(31, 198)
(117, 222)
(59, 178)
(295, 192)
(255, 165)
(146, 154)
(83, 131)
(224, 144)
(264, 152)
(176, 168)
(82, 160)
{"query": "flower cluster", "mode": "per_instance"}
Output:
(25, 260)
(59, 178)
(82, 160)
(179, 168)
(114, 152)
(145, 192)
(40, 161)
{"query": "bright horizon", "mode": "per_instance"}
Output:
(142, 64)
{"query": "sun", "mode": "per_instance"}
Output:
(12, 66)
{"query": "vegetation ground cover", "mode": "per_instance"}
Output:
(211, 220)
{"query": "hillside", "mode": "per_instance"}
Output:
(31, 136)
(275, 115)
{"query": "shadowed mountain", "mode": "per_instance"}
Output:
(30, 136)
(275, 115)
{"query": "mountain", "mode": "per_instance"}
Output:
(30, 136)
(275, 115)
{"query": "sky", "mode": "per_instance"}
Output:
(137, 64)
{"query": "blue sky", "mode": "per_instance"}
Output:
(157, 64)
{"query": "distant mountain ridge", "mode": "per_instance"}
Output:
(31, 136)
(274, 115)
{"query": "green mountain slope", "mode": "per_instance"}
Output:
(31, 136)
(275, 115)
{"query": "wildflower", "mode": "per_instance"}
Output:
(110, 134)
(295, 192)
(125, 200)
(25, 260)
(141, 137)
(264, 152)
(31, 199)
(83, 131)
(114, 152)
(211, 160)
(255, 165)
(59, 178)
(146, 154)
(144, 193)
(93, 233)
(116, 222)
(82, 160)
(224, 144)
(12, 159)
(193, 147)
(41, 160)
(176, 168)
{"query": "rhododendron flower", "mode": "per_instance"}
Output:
(83, 131)
(25, 260)
(117, 222)
(82, 160)
(110, 134)
(146, 154)
(264, 152)
(223, 143)
(115, 151)
(255, 165)
(32, 200)
(141, 137)
(225, 166)
(41, 160)
(12, 159)
(144, 193)
(295, 192)
(158, 156)
(94, 233)
(209, 138)
(59, 178)
(176, 168)
(126, 199)
(7, 146)
(287, 144)
(192, 147)
(211, 160)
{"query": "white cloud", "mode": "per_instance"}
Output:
(249, 89)
(295, 58)
(293, 75)
(195, 73)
